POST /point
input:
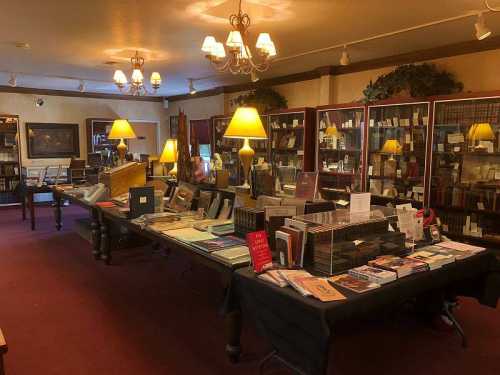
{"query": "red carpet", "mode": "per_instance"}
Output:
(65, 314)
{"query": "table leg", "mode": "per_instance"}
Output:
(105, 248)
(32, 209)
(233, 330)
(96, 234)
(23, 205)
(57, 212)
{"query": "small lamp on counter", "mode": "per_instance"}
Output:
(169, 155)
(246, 124)
(121, 130)
(481, 132)
(391, 147)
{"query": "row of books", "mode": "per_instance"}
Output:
(9, 170)
(248, 220)
(467, 198)
(8, 184)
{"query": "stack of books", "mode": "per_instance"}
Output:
(373, 274)
(433, 259)
(233, 255)
(401, 266)
(248, 220)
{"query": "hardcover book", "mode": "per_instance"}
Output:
(307, 185)
(373, 274)
(352, 283)
(260, 252)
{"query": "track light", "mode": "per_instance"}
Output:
(81, 86)
(254, 76)
(482, 31)
(192, 89)
(13, 80)
(345, 59)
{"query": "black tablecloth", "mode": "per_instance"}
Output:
(300, 328)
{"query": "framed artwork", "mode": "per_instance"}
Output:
(174, 126)
(52, 140)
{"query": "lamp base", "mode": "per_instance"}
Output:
(173, 171)
(246, 155)
(122, 150)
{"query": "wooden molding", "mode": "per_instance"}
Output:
(456, 49)
(92, 95)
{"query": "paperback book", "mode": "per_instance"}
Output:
(219, 243)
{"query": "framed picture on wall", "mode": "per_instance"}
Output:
(174, 126)
(50, 140)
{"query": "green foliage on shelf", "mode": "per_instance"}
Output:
(263, 98)
(416, 80)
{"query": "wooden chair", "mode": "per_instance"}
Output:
(3, 350)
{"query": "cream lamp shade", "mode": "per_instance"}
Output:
(391, 146)
(121, 129)
(483, 132)
(246, 123)
(169, 154)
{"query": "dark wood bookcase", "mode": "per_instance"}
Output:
(10, 161)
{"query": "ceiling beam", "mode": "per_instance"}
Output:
(456, 49)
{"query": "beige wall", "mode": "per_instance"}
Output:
(198, 108)
(61, 109)
(478, 72)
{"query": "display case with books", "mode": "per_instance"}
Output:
(338, 240)
(397, 148)
(292, 142)
(465, 168)
(339, 151)
(228, 148)
(10, 160)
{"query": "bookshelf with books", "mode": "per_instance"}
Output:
(396, 151)
(292, 142)
(10, 160)
(465, 166)
(228, 148)
(339, 148)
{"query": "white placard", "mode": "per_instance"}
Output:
(360, 203)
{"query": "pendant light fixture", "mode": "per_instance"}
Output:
(137, 86)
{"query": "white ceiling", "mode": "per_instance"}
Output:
(75, 38)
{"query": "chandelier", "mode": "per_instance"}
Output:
(136, 86)
(238, 59)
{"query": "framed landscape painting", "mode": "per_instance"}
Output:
(50, 140)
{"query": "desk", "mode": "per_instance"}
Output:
(27, 194)
(300, 329)
(59, 197)
(112, 216)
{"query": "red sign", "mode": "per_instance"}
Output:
(259, 250)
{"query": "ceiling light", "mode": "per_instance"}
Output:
(81, 86)
(254, 76)
(239, 56)
(22, 45)
(345, 59)
(13, 80)
(192, 89)
(137, 86)
(482, 31)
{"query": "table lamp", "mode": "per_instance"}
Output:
(246, 125)
(121, 130)
(481, 132)
(392, 147)
(169, 155)
(332, 131)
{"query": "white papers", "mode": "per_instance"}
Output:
(360, 203)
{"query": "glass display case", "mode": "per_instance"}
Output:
(228, 148)
(397, 135)
(339, 152)
(292, 134)
(10, 160)
(465, 174)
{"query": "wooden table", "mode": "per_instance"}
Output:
(59, 197)
(109, 217)
(27, 200)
